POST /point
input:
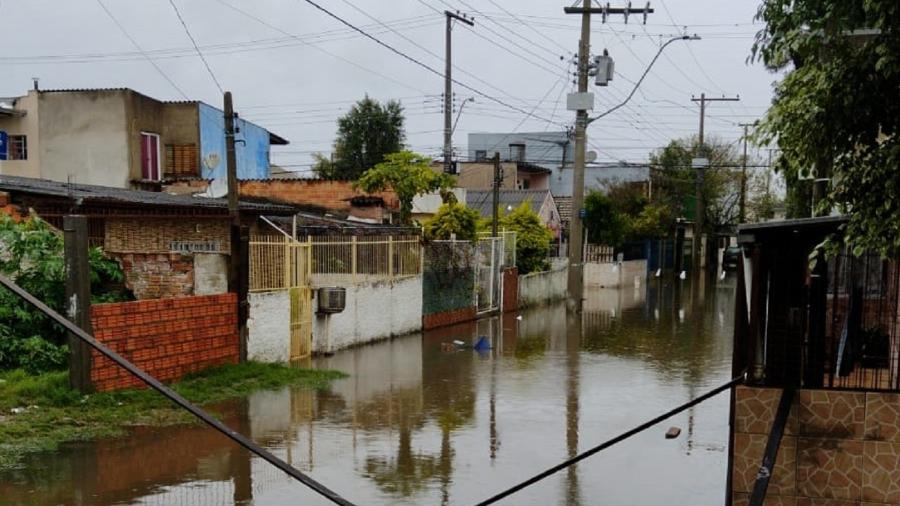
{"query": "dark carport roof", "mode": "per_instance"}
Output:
(94, 194)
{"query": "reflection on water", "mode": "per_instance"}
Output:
(413, 424)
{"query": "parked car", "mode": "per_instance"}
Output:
(730, 258)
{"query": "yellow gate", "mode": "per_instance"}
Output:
(283, 264)
(301, 322)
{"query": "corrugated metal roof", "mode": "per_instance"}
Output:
(94, 193)
(482, 200)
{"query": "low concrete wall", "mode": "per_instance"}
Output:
(539, 288)
(615, 274)
(269, 326)
(374, 311)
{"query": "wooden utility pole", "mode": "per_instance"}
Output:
(576, 247)
(743, 211)
(78, 299)
(498, 178)
(448, 87)
(699, 205)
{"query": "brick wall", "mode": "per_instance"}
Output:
(7, 207)
(444, 318)
(510, 289)
(167, 338)
(155, 235)
(327, 194)
(157, 275)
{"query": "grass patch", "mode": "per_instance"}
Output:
(56, 414)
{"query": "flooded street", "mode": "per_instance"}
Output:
(414, 424)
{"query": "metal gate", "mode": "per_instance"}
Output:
(489, 254)
(301, 322)
(284, 264)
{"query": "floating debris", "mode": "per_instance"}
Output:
(673, 432)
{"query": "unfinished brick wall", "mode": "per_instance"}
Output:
(334, 195)
(167, 338)
(157, 276)
(444, 318)
(155, 235)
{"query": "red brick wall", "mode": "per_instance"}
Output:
(168, 338)
(435, 320)
(157, 276)
(328, 194)
(510, 289)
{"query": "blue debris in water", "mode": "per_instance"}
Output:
(482, 344)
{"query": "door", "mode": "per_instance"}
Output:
(150, 156)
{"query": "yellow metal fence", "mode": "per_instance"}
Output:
(279, 263)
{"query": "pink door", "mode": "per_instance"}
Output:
(150, 156)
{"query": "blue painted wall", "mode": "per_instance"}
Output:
(252, 153)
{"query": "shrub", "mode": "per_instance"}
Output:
(31, 253)
(532, 238)
(452, 219)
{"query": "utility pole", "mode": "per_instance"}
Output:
(448, 88)
(743, 212)
(699, 207)
(498, 178)
(576, 247)
(238, 269)
(78, 299)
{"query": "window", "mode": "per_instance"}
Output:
(18, 148)
(480, 155)
(150, 156)
(517, 152)
(182, 160)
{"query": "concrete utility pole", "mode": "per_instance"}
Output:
(498, 178)
(576, 247)
(448, 88)
(699, 207)
(238, 273)
(743, 212)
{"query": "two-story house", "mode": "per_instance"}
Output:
(121, 138)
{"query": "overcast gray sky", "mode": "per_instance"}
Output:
(294, 70)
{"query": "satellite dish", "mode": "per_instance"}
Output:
(590, 156)
(218, 188)
(212, 160)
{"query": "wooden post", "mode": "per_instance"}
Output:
(78, 299)
(243, 290)
(391, 257)
(287, 262)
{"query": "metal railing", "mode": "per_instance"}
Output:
(598, 253)
(278, 262)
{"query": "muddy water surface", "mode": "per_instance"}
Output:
(413, 424)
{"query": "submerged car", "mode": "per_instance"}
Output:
(730, 258)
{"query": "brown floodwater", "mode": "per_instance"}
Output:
(413, 424)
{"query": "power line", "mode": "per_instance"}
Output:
(413, 60)
(141, 50)
(196, 47)
(325, 51)
(527, 25)
(423, 48)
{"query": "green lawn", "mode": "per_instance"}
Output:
(55, 414)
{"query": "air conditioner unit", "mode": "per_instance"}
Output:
(332, 299)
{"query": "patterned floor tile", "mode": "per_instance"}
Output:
(839, 415)
(829, 468)
(881, 472)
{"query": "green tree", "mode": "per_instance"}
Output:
(835, 114)
(605, 224)
(367, 133)
(408, 174)
(673, 179)
(31, 253)
(532, 238)
(453, 219)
